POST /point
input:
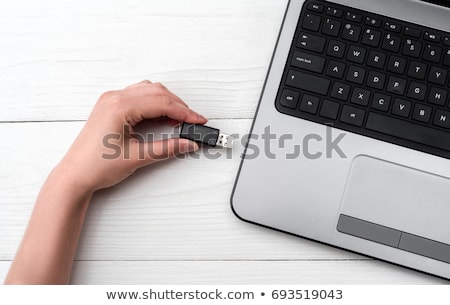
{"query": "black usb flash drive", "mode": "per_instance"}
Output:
(205, 135)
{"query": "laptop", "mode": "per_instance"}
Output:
(350, 145)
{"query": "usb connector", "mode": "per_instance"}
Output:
(205, 135)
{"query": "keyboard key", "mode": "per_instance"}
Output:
(308, 62)
(335, 69)
(371, 38)
(351, 32)
(447, 41)
(396, 85)
(315, 7)
(331, 27)
(376, 80)
(381, 102)
(311, 42)
(309, 103)
(308, 82)
(401, 108)
(329, 109)
(331, 11)
(417, 91)
(311, 22)
(447, 57)
(437, 75)
(442, 119)
(432, 53)
(360, 97)
(344, 62)
(376, 59)
(289, 98)
(409, 131)
(413, 32)
(391, 42)
(396, 64)
(422, 113)
(336, 49)
(373, 22)
(352, 115)
(353, 17)
(437, 96)
(412, 48)
(417, 70)
(356, 75)
(356, 54)
(394, 27)
(340, 91)
(434, 37)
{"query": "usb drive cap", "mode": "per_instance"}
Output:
(205, 135)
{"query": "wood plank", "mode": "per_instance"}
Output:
(175, 210)
(143, 219)
(57, 58)
(242, 272)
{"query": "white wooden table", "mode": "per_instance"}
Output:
(172, 223)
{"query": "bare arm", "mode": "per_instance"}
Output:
(48, 247)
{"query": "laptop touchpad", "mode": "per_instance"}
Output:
(397, 206)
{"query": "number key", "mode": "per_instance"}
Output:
(351, 32)
(331, 27)
(412, 48)
(371, 38)
(311, 22)
(432, 53)
(391, 42)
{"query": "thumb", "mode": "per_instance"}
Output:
(166, 149)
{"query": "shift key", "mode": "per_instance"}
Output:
(308, 82)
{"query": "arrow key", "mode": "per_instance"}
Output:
(352, 115)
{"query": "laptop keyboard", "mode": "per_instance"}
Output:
(369, 74)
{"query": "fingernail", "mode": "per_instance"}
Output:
(190, 146)
(203, 118)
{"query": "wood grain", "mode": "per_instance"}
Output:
(242, 272)
(172, 223)
(175, 210)
(57, 58)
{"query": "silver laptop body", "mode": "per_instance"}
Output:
(340, 188)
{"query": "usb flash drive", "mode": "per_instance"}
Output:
(205, 135)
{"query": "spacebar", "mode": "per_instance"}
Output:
(409, 131)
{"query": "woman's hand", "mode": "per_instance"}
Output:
(114, 116)
(48, 247)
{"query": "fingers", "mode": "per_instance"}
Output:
(162, 150)
(162, 106)
(140, 84)
(150, 89)
(145, 100)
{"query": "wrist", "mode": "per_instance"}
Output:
(65, 177)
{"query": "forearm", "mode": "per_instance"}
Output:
(48, 247)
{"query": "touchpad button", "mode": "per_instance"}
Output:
(396, 197)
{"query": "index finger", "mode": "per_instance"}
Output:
(151, 107)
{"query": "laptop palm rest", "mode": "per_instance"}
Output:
(397, 206)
